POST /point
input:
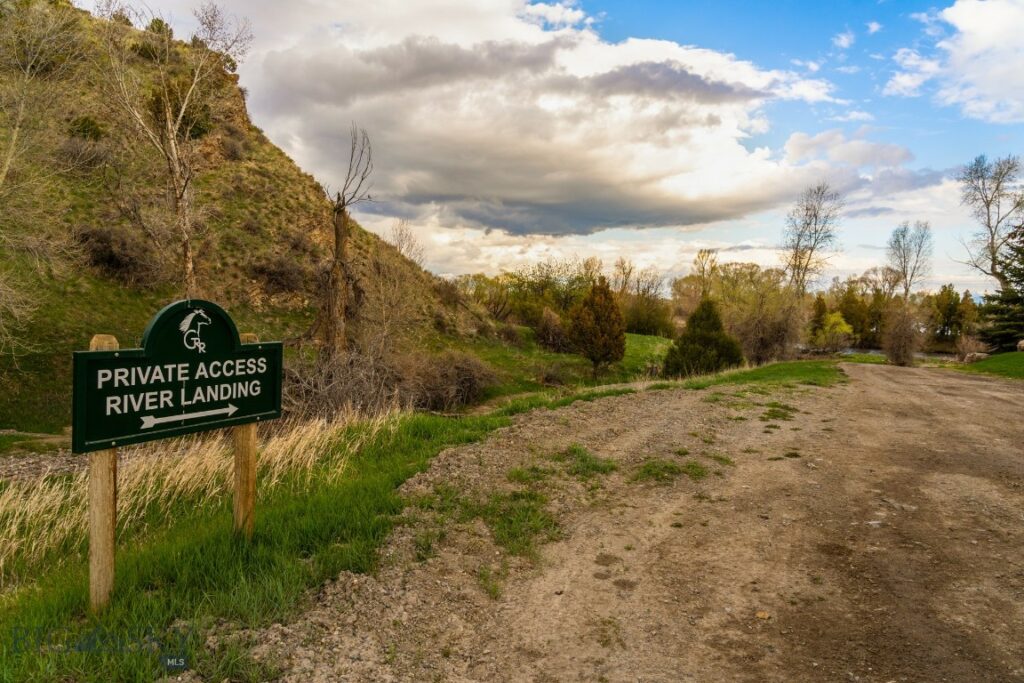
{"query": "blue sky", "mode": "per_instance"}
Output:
(507, 131)
(774, 34)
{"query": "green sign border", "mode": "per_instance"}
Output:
(81, 359)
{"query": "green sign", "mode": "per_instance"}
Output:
(191, 374)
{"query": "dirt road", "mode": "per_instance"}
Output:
(874, 535)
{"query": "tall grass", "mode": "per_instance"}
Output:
(44, 520)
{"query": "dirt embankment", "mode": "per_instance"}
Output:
(870, 531)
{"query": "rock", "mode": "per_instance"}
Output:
(1020, 345)
(975, 357)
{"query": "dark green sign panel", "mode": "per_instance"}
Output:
(191, 374)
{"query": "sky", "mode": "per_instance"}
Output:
(507, 131)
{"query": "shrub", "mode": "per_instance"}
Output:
(278, 273)
(119, 253)
(448, 381)
(901, 337)
(448, 292)
(551, 333)
(553, 374)
(83, 155)
(596, 328)
(834, 334)
(968, 347)
(510, 334)
(703, 347)
(234, 148)
(86, 128)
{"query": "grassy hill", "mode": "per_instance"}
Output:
(90, 247)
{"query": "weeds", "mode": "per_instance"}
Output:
(582, 463)
(778, 411)
(659, 471)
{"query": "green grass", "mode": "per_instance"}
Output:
(658, 470)
(519, 367)
(1003, 364)
(778, 411)
(21, 442)
(579, 462)
(518, 521)
(190, 569)
(528, 475)
(821, 373)
(720, 459)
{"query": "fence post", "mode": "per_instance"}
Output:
(244, 437)
(102, 508)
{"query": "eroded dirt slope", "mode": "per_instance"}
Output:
(874, 535)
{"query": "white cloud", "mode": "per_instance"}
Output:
(848, 69)
(834, 146)
(507, 130)
(520, 117)
(873, 27)
(844, 40)
(979, 67)
(854, 116)
(813, 67)
(916, 71)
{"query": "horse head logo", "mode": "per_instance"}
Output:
(190, 328)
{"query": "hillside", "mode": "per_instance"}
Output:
(90, 246)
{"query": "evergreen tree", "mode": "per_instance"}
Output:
(596, 327)
(818, 317)
(1004, 312)
(704, 346)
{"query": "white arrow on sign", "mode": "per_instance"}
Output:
(149, 421)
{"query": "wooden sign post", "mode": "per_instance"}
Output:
(102, 508)
(193, 373)
(245, 469)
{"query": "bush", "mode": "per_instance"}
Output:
(279, 274)
(86, 128)
(83, 155)
(510, 335)
(968, 347)
(834, 334)
(553, 374)
(596, 328)
(445, 382)
(448, 292)
(119, 253)
(901, 337)
(551, 332)
(234, 149)
(703, 347)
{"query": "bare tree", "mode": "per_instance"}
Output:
(40, 49)
(167, 110)
(882, 279)
(622, 276)
(810, 232)
(403, 239)
(910, 253)
(705, 265)
(354, 189)
(992, 191)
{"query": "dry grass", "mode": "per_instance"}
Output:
(44, 520)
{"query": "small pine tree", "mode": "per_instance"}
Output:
(704, 346)
(596, 327)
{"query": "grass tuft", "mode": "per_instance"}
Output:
(579, 462)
